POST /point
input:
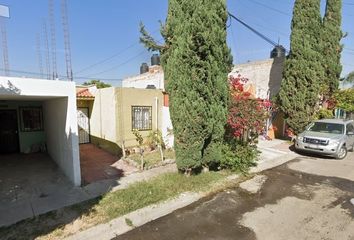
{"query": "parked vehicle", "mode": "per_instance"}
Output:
(331, 137)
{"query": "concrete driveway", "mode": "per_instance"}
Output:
(307, 198)
(32, 184)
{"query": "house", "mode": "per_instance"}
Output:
(112, 113)
(40, 116)
(265, 78)
(85, 96)
(153, 77)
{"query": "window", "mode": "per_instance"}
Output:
(324, 127)
(31, 119)
(141, 117)
(350, 128)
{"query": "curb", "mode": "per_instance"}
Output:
(147, 214)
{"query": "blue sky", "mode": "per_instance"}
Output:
(110, 29)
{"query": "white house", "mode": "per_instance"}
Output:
(40, 115)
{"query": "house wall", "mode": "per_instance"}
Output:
(264, 75)
(128, 97)
(59, 114)
(155, 76)
(26, 139)
(103, 121)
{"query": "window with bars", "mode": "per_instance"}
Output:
(31, 119)
(141, 118)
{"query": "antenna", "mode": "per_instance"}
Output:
(4, 13)
(39, 55)
(53, 40)
(46, 43)
(64, 11)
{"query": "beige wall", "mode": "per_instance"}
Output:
(265, 75)
(128, 97)
(111, 116)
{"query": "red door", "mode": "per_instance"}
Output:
(8, 131)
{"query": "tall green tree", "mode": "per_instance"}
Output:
(303, 72)
(196, 62)
(332, 48)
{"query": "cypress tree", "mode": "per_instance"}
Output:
(331, 36)
(196, 62)
(303, 71)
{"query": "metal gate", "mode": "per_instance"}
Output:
(83, 125)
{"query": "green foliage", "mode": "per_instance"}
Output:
(155, 139)
(303, 72)
(332, 48)
(138, 137)
(98, 83)
(324, 114)
(239, 156)
(196, 61)
(345, 99)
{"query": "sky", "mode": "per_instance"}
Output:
(104, 35)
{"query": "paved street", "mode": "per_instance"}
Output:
(308, 198)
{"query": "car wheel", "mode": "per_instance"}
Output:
(342, 153)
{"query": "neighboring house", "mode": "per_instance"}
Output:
(40, 115)
(85, 96)
(114, 112)
(153, 77)
(265, 78)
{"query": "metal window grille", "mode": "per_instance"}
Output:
(141, 118)
(31, 119)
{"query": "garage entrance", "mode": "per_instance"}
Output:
(9, 142)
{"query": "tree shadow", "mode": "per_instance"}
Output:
(9, 89)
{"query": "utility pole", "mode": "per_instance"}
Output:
(4, 13)
(39, 54)
(65, 19)
(53, 38)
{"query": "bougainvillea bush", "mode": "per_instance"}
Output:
(246, 121)
(247, 114)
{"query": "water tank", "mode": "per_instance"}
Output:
(144, 68)
(155, 59)
(278, 52)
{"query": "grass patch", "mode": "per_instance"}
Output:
(61, 223)
(152, 158)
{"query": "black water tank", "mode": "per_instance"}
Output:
(155, 59)
(144, 68)
(278, 52)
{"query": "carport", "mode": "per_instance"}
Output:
(39, 116)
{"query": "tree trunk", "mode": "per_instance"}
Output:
(161, 152)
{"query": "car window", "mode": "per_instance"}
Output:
(350, 127)
(324, 127)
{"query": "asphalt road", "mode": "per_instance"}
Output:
(307, 198)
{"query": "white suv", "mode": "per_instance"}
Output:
(332, 137)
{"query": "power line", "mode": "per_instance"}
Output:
(119, 65)
(270, 8)
(107, 59)
(254, 30)
(60, 76)
(110, 57)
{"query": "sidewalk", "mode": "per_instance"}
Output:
(31, 207)
(273, 154)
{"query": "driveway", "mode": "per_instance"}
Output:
(307, 198)
(31, 184)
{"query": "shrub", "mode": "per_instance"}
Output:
(239, 157)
